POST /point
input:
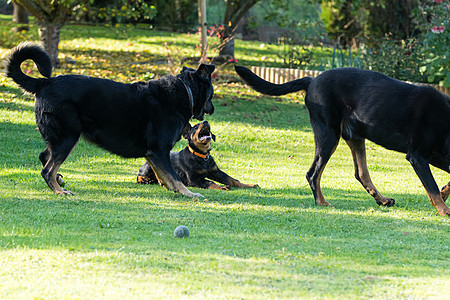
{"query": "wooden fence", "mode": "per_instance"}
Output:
(281, 75)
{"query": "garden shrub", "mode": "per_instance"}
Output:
(424, 57)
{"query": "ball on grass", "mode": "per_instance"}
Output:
(181, 231)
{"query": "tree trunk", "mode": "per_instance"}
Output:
(20, 16)
(227, 44)
(203, 30)
(49, 39)
(234, 12)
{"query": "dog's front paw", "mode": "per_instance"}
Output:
(64, 192)
(225, 188)
(196, 195)
(144, 180)
(444, 211)
(386, 202)
(445, 192)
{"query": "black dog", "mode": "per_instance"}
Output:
(194, 163)
(130, 120)
(359, 105)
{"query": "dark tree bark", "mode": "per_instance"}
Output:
(20, 16)
(49, 39)
(50, 16)
(235, 11)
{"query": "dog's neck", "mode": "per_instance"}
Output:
(191, 98)
(198, 154)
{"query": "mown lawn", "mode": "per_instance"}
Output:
(114, 238)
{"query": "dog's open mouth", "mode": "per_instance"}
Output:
(205, 138)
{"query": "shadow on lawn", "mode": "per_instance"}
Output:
(256, 225)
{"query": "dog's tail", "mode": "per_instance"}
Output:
(268, 88)
(18, 55)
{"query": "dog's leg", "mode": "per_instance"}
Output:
(326, 141)
(56, 154)
(445, 192)
(166, 175)
(422, 169)
(358, 149)
(207, 184)
(222, 177)
(44, 157)
(215, 186)
(146, 175)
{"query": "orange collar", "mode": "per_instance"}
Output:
(204, 156)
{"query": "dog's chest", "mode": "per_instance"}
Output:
(192, 165)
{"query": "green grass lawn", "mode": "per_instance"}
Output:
(114, 238)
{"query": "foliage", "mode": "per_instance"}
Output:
(435, 24)
(401, 59)
(346, 20)
(298, 42)
(235, 10)
(177, 15)
(117, 11)
(47, 11)
(420, 58)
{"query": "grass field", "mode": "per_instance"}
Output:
(114, 238)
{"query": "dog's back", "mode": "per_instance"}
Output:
(389, 112)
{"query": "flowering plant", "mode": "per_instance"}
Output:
(436, 41)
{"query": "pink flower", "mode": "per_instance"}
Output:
(438, 29)
(438, 1)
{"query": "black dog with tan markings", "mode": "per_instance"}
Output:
(144, 119)
(194, 163)
(356, 105)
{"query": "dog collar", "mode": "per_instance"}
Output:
(204, 156)
(191, 98)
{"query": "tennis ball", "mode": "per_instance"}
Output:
(181, 231)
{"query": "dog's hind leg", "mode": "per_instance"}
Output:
(326, 140)
(43, 157)
(358, 148)
(422, 169)
(56, 154)
(166, 175)
(146, 175)
(445, 192)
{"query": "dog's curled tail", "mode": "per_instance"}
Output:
(268, 88)
(18, 55)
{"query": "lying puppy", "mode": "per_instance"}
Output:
(194, 163)
(357, 105)
(131, 120)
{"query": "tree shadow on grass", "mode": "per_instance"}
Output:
(259, 225)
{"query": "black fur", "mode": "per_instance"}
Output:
(131, 120)
(356, 105)
(194, 163)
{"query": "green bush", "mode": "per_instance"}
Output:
(401, 59)
(436, 65)
(117, 11)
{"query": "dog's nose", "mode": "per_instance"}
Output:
(205, 123)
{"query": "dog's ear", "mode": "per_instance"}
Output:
(186, 131)
(205, 70)
(213, 136)
(184, 69)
